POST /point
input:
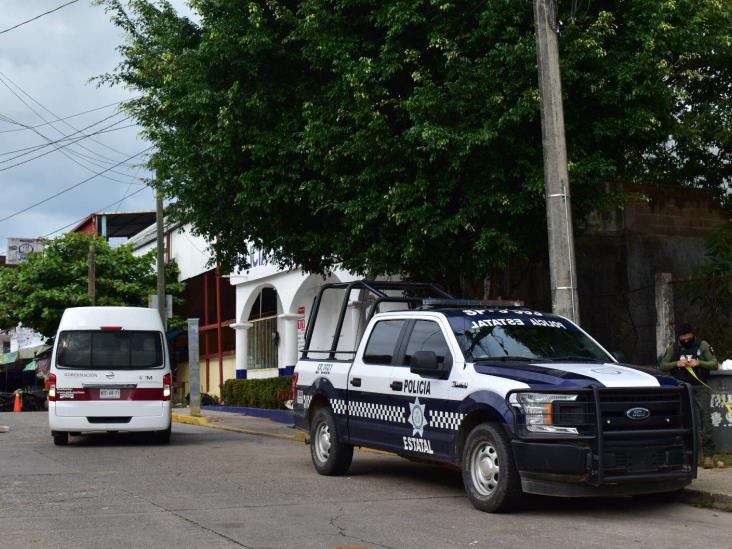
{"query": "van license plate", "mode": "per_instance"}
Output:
(109, 393)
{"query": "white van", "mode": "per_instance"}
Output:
(109, 372)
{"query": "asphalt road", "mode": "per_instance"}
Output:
(212, 488)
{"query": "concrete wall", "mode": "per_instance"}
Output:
(183, 374)
(619, 256)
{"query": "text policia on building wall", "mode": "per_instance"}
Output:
(272, 307)
(252, 323)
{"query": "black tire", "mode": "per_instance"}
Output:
(60, 439)
(161, 437)
(489, 473)
(330, 457)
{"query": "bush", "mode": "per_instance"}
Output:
(257, 393)
(208, 400)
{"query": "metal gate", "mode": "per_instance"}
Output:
(262, 345)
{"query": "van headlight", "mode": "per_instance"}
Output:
(538, 411)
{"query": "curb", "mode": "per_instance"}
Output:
(280, 416)
(297, 437)
(203, 422)
(190, 420)
(715, 500)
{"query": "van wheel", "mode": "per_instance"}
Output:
(489, 472)
(60, 439)
(330, 457)
(161, 437)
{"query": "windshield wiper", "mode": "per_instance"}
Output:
(576, 358)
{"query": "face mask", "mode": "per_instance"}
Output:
(686, 344)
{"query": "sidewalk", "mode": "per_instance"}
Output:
(712, 488)
(239, 423)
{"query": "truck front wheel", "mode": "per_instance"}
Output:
(330, 457)
(489, 473)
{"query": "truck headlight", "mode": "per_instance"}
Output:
(538, 411)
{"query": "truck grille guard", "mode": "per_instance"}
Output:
(604, 429)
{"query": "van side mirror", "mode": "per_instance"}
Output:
(425, 363)
(619, 356)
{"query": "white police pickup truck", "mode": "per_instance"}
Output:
(521, 401)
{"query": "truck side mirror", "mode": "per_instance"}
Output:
(425, 363)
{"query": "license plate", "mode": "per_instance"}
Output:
(109, 393)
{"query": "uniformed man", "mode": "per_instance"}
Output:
(690, 359)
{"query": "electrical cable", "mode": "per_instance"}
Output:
(67, 189)
(65, 153)
(29, 96)
(98, 209)
(28, 127)
(34, 148)
(61, 140)
(37, 16)
(56, 146)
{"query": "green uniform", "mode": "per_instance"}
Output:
(703, 353)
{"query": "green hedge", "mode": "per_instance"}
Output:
(257, 393)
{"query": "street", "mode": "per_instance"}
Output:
(212, 488)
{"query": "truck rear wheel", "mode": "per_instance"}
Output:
(330, 457)
(489, 472)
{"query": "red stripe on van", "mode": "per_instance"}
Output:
(88, 393)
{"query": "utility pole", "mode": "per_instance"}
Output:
(194, 375)
(92, 276)
(562, 271)
(159, 218)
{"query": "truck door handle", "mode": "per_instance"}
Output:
(356, 381)
(396, 385)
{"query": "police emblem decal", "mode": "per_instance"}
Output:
(417, 418)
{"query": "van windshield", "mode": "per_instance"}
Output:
(94, 349)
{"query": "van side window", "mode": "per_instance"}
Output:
(427, 336)
(382, 343)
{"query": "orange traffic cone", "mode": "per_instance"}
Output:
(18, 406)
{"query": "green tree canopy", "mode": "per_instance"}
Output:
(37, 291)
(404, 136)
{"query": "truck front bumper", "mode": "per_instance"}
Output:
(570, 470)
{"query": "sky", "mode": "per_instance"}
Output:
(45, 66)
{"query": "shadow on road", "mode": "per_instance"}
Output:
(121, 439)
(433, 476)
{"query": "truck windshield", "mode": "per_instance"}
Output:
(109, 349)
(521, 338)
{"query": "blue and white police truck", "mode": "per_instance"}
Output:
(521, 401)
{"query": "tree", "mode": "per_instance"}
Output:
(37, 291)
(403, 137)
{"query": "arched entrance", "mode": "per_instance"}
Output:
(263, 335)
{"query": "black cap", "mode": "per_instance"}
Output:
(685, 328)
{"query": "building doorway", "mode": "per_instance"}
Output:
(263, 335)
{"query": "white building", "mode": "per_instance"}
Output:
(252, 323)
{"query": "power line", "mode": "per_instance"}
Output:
(37, 17)
(103, 208)
(39, 115)
(67, 189)
(65, 153)
(29, 96)
(34, 148)
(56, 148)
(28, 127)
(61, 140)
